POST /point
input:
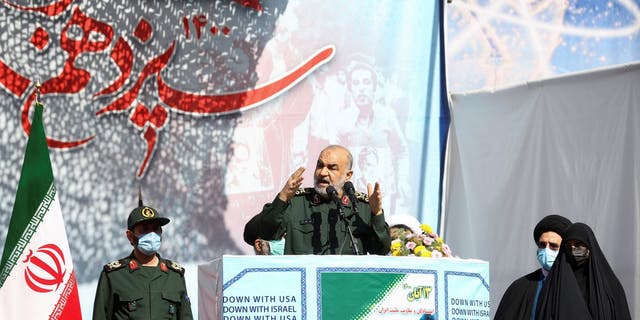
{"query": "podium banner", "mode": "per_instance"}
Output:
(349, 287)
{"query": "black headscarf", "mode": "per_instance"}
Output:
(590, 291)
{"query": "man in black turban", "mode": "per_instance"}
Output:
(581, 284)
(520, 299)
(251, 237)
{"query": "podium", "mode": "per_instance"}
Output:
(343, 287)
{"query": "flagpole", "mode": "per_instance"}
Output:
(38, 85)
(37, 276)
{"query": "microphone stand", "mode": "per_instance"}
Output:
(351, 193)
(348, 226)
(334, 195)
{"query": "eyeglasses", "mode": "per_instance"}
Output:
(553, 246)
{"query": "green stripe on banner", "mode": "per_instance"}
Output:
(354, 295)
(34, 188)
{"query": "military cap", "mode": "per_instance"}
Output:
(554, 222)
(145, 213)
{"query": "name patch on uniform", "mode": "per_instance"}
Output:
(306, 221)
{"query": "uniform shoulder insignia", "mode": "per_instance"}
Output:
(115, 265)
(362, 196)
(303, 191)
(175, 267)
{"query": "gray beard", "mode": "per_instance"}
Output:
(322, 192)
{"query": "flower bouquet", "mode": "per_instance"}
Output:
(404, 242)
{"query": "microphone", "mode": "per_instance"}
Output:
(333, 194)
(351, 193)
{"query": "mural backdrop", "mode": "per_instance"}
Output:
(209, 106)
(493, 44)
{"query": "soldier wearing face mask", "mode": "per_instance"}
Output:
(142, 285)
(519, 301)
(581, 284)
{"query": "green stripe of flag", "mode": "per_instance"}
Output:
(355, 295)
(35, 192)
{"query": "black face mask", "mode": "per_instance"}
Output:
(580, 255)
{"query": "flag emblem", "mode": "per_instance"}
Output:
(46, 268)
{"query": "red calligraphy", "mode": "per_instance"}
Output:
(254, 4)
(153, 67)
(72, 79)
(122, 55)
(50, 10)
(233, 102)
(13, 81)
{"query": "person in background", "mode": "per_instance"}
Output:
(312, 221)
(402, 224)
(581, 284)
(142, 285)
(520, 298)
(261, 247)
(372, 130)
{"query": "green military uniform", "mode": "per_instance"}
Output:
(127, 290)
(312, 225)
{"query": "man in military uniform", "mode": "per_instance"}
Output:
(312, 223)
(142, 285)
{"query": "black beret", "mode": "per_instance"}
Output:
(554, 222)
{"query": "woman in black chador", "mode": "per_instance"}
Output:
(581, 284)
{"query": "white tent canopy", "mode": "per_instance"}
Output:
(567, 145)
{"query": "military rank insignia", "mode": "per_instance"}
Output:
(114, 265)
(133, 265)
(362, 196)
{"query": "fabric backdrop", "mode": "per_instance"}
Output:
(569, 146)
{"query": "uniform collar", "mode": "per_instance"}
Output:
(134, 264)
(316, 199)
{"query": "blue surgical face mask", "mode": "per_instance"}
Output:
(546, 257)
(149, 243)
(277, 247)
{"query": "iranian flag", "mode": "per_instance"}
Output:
(37, 280)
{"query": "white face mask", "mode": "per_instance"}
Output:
(149, 243)
(546, 257)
